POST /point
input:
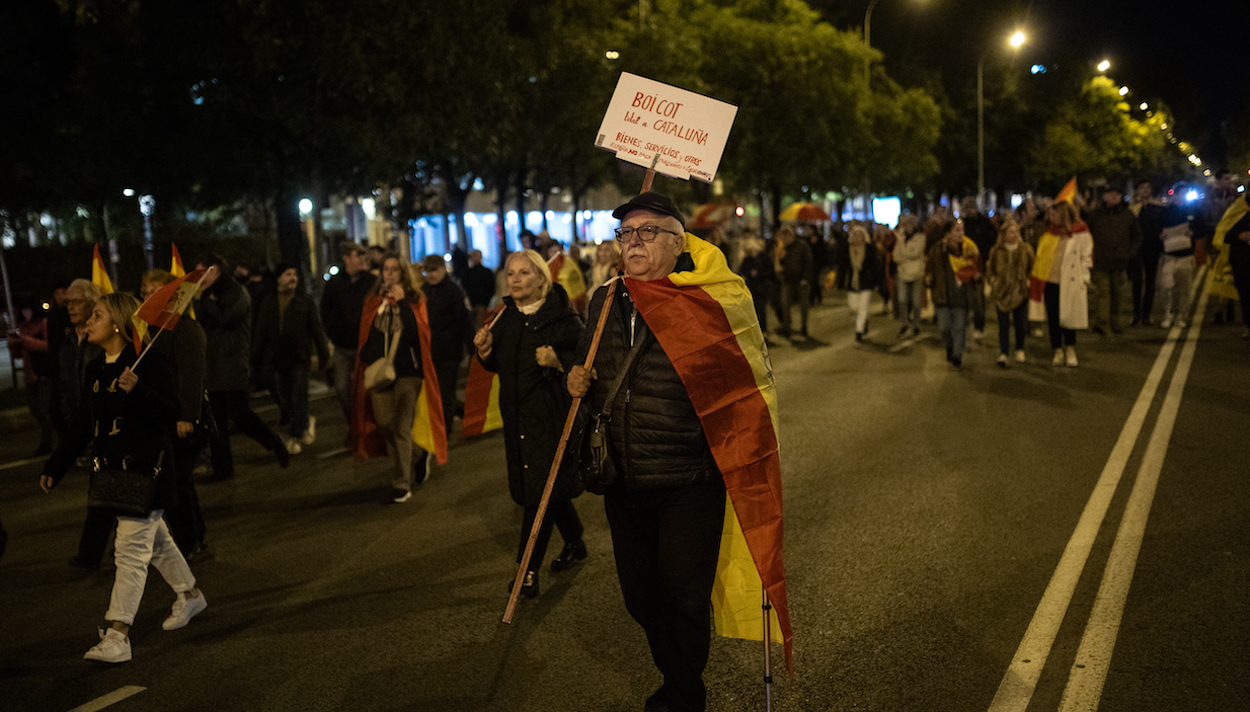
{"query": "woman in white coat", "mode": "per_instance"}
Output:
(1059, 289)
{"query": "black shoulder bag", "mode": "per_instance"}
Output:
(597, 471)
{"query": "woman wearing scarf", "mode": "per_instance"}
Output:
(531, 346)
(949, 270)
(1007, 270)
(858, 275)
(1059, 288)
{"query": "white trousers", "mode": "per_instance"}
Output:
(858, 302)
(1176, 276)
(140, 541)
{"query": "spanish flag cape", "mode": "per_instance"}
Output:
(967, 264)
(567, 274)
(705, 321)
(428, 429)
(1221, 284)
(481, 395)
(1047, 245)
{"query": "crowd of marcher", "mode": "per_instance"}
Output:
(395, 340)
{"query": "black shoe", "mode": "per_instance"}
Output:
(529, 585)
(572, 555)
(421, 468)
(280, 452)
(83, 564)
(957, 363)
(858, 337)
(1218, 318)
(657, 702)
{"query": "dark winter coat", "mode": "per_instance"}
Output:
(73, 356)
(757, 272)
(185, 348)
(451, 323)
(132, 431)
(225, 312)
(479, 285)
(341, 304)
(654, 438)
(797, 264)
(287, 338)
(533, 399)
(869, 270)
(407, 353)
(1117, 236)
(980, 228)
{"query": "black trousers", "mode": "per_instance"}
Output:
(667, 542)
(1143, 273)
(97, 530)
(448, 376)
(1241, 280)
(232, 406)
(1059, 337)
(184, 519)
(1018, 317)
(563, 515)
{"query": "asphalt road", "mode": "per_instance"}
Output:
(927, 512)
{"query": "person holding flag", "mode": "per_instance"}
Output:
(128, 416)
(694, 419)
(404, 410)
(1059, 285)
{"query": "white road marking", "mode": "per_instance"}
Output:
(1016, 689)
(331, 453)
(19, 463)
(1093, 657)
(111, 698)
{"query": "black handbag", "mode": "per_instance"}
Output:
(595, 465)
(124, 493)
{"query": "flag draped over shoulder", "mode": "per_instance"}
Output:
(428, 429)
(481, 395)
(567, 274)
(100, 275)
(705, 322)
(1221, 283)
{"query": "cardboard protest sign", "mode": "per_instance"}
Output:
(681, 133)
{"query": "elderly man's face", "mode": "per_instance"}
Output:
(79, 307)
(648, 261)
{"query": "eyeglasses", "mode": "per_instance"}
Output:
(646, 233)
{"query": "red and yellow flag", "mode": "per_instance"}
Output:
(166, 305)
(428, 429)
(567, 274)
(177, 270)
(1068, 193)
(705, 321)
(100, 275)
(481, 395)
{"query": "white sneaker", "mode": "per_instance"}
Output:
(1002, 360)
(185, 608)
(292, 446)
(1167, 322)
(1071, 357)
(310, 435)
(1181, 323)
(977, 334)
(1058, 359)
(114, 647)
(1020, 356)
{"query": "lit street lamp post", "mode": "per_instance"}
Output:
(868, 41)
(146, 205)
(1015, 41)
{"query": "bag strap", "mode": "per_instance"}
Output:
(389, 351)
(620, 375)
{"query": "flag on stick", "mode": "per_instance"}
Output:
(165, 306)
(177, 270)
(100, 275)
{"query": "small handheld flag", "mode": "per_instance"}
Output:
(165, 307)
(177, 270)
(100, 275)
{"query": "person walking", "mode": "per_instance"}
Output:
(30, 342)
(981, 230)
(1176, 265)
(184, 348)
(793, 265)
(952, 271)
(288, 332)
(1117, 237)
(128, 419)
(1143, 269)
(909, 255)
(341, 304)
(531, 346)
(1059, 283)
(224, 310)
(389, 330)
(479, 287)
(1232, 237)
(858, 272)
(1007, 272)
(451, 331)
(757, 271)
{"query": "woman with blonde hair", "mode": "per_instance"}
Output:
(607, 259)
(128, 420)
(1059, 286)
(1007, 271)
(858, 273)
(530, 346)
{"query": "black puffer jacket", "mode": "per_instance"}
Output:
(533, 399)
(654, 437)
(225, 312)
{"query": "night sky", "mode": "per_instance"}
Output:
(1192, 55)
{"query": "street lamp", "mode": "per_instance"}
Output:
(1017, 40)
(1104, 65)
(867, 40)
(1123, 91)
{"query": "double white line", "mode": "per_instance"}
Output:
(1093, 657)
